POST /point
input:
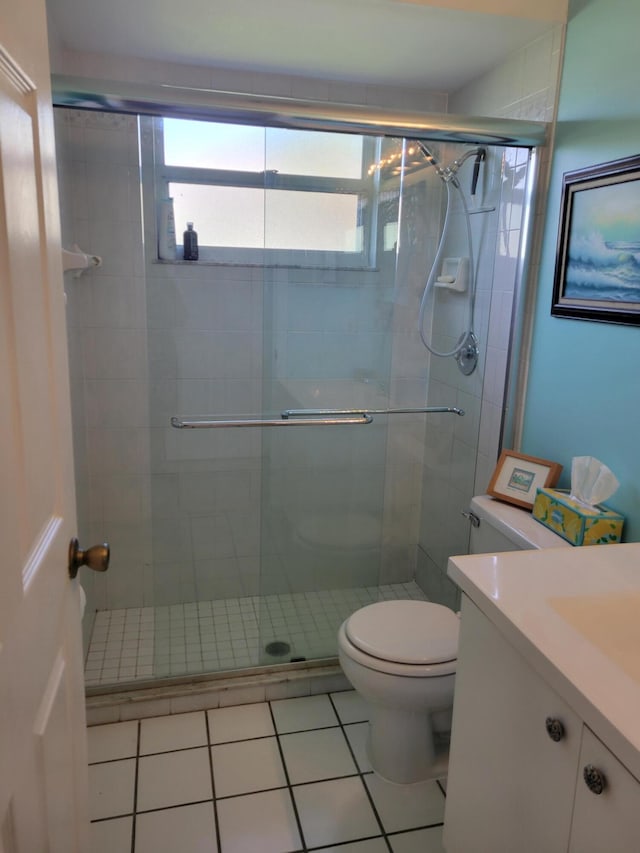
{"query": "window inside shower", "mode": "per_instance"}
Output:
(239, 547)
(272, 194)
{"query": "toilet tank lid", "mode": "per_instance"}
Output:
(518, 525)
(413, 632)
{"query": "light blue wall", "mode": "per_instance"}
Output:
(584, 387)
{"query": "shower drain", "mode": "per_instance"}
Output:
(277, 648)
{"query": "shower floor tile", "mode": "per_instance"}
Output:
(233, 633)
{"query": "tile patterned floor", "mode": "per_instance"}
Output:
(210, 636)
(275, 777)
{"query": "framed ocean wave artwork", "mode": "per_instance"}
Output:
(598, 256)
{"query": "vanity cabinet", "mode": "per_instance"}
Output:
(517, 757)
(610, 820)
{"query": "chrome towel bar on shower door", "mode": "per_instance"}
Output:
(429, 410)
(212, 423)
(308, 417)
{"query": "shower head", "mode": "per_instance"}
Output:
(428, 154)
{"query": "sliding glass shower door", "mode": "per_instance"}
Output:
(329, 341)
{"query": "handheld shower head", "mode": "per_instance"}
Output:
(481, 156)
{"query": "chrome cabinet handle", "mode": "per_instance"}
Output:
(96, 557)
(555, 729)
(595, 779)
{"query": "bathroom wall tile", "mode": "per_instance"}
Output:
(117, 302)
(117, 244)
(113, 354)
(217, 579)
(125, 583)
(211, 537)
(113, 403)
(118, 451)
(108, 192)
(125, 497)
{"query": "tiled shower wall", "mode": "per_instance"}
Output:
(525, 87)
(181, 509)
(106, 318)
(147, 491)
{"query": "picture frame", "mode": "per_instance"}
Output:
(518, 477)
(597, 273)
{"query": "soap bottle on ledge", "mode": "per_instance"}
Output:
(190, 242)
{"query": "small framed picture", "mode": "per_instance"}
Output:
(518, 477)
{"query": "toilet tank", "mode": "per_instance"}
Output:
(503, 527)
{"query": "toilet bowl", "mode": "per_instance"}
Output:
(400, 656)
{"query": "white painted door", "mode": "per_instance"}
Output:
(43, 790)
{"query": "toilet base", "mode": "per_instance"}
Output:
(400, 747)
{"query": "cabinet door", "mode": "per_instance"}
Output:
(610, 820)
(510, 785)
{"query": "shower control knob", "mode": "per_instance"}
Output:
(595, 779)
(555, 729)
(96, 557)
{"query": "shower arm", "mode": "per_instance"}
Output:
(309, 417)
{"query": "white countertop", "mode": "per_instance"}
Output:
(574, 615)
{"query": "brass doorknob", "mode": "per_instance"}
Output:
(96, 557)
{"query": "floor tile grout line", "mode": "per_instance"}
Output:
(213, 785)
(292, 798)
(344, 843)
(135, 788)
(173, 806)
(361, 774)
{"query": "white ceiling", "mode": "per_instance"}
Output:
(414, 43)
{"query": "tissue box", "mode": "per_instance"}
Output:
(574, 522)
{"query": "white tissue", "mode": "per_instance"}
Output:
(591, 481)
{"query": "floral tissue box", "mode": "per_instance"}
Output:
(574, 522)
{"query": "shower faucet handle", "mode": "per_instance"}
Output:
(96, 557)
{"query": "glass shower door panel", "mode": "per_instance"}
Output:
(323, 486)
(327, 345)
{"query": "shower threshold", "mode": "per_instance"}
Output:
(143, 644)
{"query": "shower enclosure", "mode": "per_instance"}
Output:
(246, 433)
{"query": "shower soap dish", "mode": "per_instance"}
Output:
(454, 275)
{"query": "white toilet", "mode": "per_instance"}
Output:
(401, 655)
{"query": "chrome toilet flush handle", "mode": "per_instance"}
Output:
(472, 517)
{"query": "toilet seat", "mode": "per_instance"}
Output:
(418, 639)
